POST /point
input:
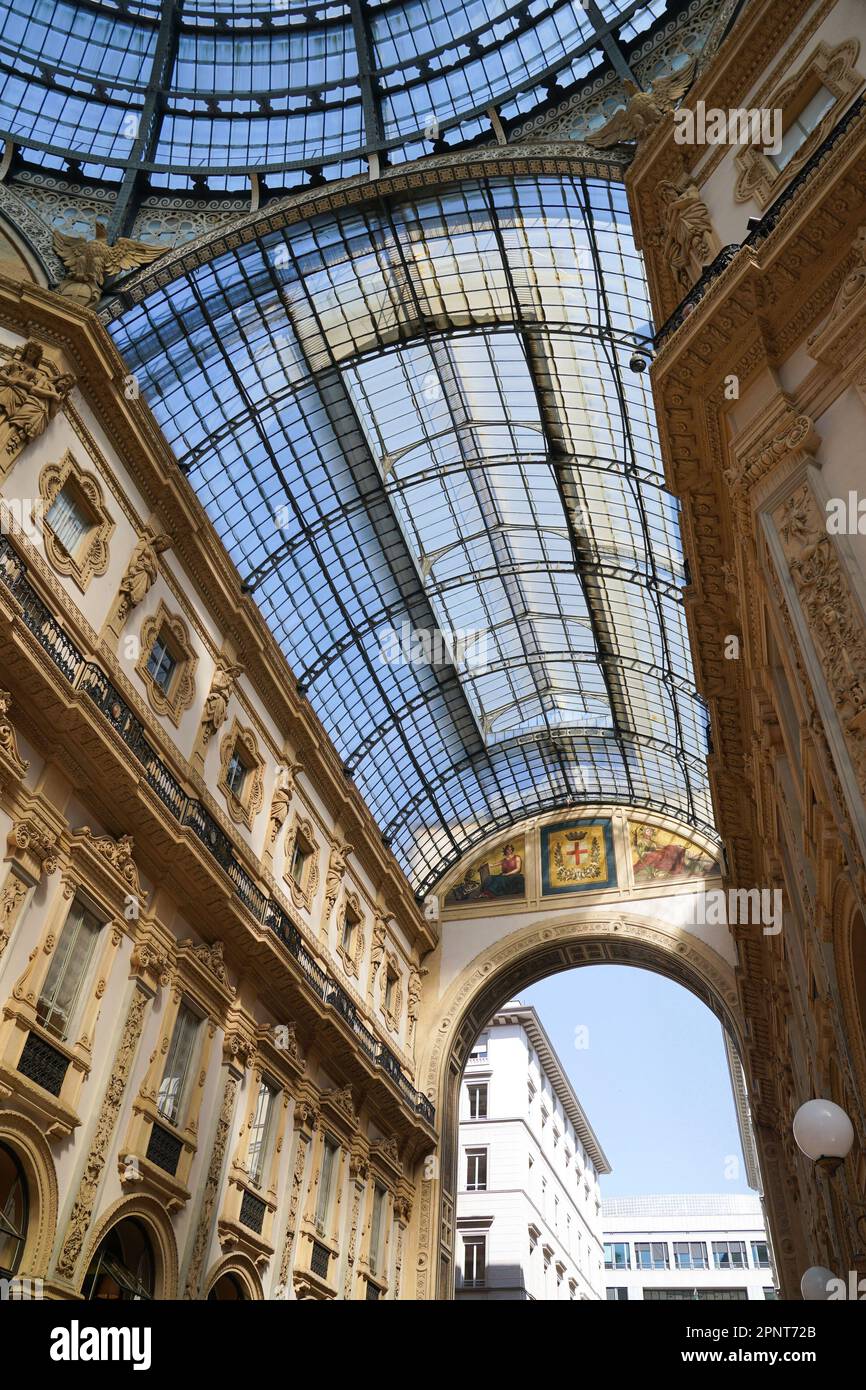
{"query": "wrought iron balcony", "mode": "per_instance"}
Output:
(90, 679)
(763, 228)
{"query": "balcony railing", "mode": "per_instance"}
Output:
(90, 679)
(763, 228)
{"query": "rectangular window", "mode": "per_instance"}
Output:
(474, 1261)
(729, 1254)
(616, 1295)
(479, 1049)
(260, 1135)
(760, 1254)
(771, 1295)
(161, 664)
(616, 1255)
(326, 1185)
(173, 1086)
(390, 982)
(690, 1254)
(376, 1229)
(236, 774)
(798, 130)
(69, 518)
(477, 1100)
(703, 1295)
(351, 923)
(301, 856)
(651, 1254)
(476, 1170)
(68, 970)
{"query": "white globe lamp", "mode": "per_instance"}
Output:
(824, 1133)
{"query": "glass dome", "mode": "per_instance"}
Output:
(189, 90)
(418, 416)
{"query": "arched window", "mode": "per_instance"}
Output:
(228, 1289)
(13, 1212)
(122, 1266)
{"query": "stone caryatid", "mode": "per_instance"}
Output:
(217, 703)
(141, 571)
(380, 936)
(414, 990)
(32, 390)
(90, 260)
(690, 242)
(284, 790)
(643, 110)
(337, 865)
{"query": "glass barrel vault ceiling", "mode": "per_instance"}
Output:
(188, 88)
(419, 417)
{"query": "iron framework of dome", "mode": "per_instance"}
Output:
(417, 415)
(200, 95)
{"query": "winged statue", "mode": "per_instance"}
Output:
(643, 110)
(90, 261)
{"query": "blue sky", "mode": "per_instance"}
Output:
(653, 1078)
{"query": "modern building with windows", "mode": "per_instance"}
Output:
(418, 449)
(712, 1246)
(528, 1203)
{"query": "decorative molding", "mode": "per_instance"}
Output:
(352, 958)
(243, 809)
(833, 68)
(82, 1209)
(181, 691)
(117, 854)
(303, 893)
(91, 557)
(212, 1187)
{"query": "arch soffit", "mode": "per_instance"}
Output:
(28, 1143)
(543, 948)
(154, 1218)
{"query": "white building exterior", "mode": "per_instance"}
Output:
(528, 1205)
(711, 1246)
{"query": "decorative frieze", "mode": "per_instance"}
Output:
(88, 1187)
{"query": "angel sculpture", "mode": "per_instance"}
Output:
(643, 110)
(89, 262)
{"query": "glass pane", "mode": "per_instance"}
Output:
(171, 1090)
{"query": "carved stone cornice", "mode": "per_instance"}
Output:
(151, 961)
(338, 1105)
(108, 869)
(386, 1154)
(32, 849)
(202, 964)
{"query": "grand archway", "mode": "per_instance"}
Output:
(494, 947)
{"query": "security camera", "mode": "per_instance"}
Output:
(637, 363)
